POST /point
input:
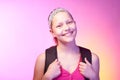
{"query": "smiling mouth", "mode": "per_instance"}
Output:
(68, 33)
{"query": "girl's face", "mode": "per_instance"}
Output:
(63, 27)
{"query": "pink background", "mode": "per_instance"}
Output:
(24, 34)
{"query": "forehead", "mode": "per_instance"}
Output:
(61, 16)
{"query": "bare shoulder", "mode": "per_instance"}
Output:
(39, 67)
(40, 62)
(41, 57)
(95, 58)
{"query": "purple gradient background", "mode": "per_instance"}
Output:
(24, 34)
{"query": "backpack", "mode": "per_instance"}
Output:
(51, 55)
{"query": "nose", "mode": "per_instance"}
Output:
(66, 27)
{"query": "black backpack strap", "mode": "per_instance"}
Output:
(85, 53)
(50, 56)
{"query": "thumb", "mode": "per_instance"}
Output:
(87, 62)
(55, 60)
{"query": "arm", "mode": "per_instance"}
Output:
(95, 66)
(90, 71)
(39, 68)
(52, 72)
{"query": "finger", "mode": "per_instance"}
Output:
(82, 64)
(81, 70)
(87, 62)
(55, 60)
(81, 67)
(58, 62)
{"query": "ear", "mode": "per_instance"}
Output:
(75, 22)
(52, 32)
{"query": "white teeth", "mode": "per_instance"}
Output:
(68, 34)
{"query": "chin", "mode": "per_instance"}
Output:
(68, 40)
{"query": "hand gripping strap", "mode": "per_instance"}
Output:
(51, 55)
(85, 53)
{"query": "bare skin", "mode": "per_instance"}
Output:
(55, 67)
(64, 29)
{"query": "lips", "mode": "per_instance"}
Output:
(68, 33)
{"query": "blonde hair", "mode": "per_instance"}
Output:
(54, 12)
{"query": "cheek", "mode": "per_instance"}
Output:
(73, 26)
(57, 32)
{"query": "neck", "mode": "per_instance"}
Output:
(68, 47)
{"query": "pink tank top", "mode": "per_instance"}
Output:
(65, 75)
